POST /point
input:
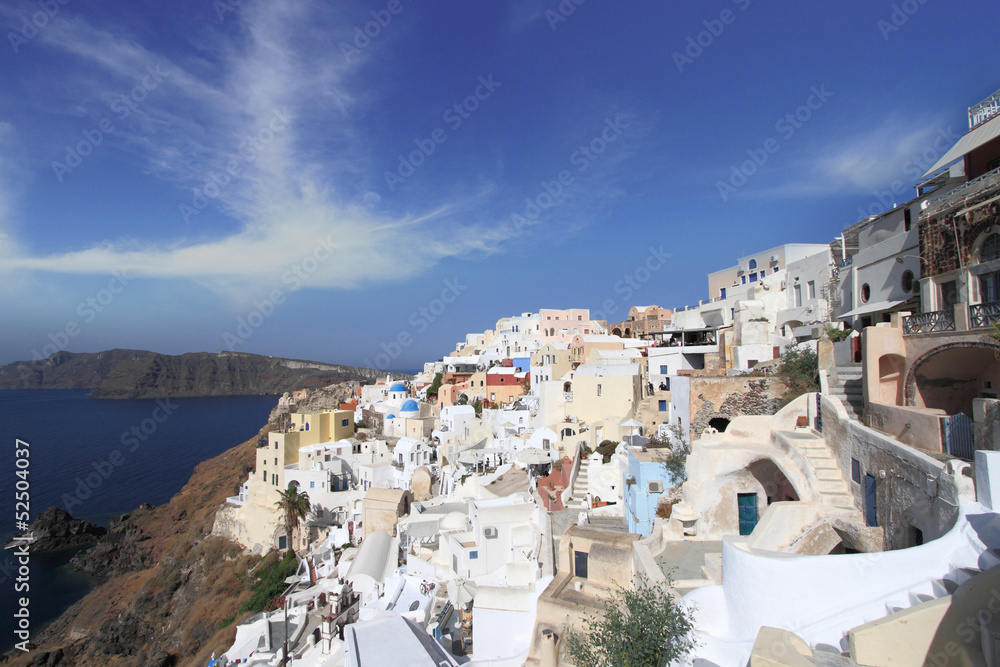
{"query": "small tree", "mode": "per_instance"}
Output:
(526, 385)
(295, 507)
(675, 462)
(641, 626)
(799, 372)
(435, 386)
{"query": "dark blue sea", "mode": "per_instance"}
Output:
(73, 442)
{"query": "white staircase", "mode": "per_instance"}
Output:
(579, 487)
(831, 487)
(845, 385)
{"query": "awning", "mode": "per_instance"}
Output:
(983, 134)
(873, 307)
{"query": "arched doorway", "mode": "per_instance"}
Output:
(949, 377)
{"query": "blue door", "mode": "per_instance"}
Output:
(871, 515)
(580, 564)
(746, 504)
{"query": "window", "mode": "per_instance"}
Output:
(762, 274)
(276, 444)
(579, 318)
(866, 293)
(856, 471)
(811, 289)
(743, 280)
(722, 292)
(664, 370)
(598, 390)
(907, 223)
(797, 289)
(752, 265)
(774, 270)
(753, 277)
(663, 406)
(473, 555)
(990, 250)
(312, 485)
(276, 461)
(343, 422)
(907, 281)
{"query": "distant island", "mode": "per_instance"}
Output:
(127, 374)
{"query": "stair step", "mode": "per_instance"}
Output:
(837, 499)
(943, 587)
(830, 486)
(828, 474)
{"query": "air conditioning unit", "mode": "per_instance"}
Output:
(655, 486)
(490, 533)
(774, 258)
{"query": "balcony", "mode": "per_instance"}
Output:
(985, 110)
(933, 322)
(965, 194)
(984, 314)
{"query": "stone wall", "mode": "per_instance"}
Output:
(731, 397)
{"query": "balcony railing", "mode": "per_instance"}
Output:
(568, 395)
(965, 192)
(922, 323)
(846, 262)
(984, 314)
(985, 110)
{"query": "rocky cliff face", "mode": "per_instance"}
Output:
(55, 529)
(142, 374)
(169, 594)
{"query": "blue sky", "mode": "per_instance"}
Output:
(296, 179)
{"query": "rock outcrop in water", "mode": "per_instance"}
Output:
(142, 374)
(55, 529)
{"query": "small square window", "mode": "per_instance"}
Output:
(312, 485)
(473, 555)
(343, 422)
(663, 406)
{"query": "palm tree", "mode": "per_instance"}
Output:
(295, 506)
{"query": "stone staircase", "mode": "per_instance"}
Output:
(831, 486)
(845, 385)
(579, 487)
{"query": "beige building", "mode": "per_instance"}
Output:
(382, 508)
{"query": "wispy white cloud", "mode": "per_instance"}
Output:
(863, 160)
(285, 198)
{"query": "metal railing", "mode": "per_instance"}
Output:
(984, 314)
(964, 192)
(921, 323)
(985, 110)
(568, 395)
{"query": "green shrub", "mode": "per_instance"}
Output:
(799, 372)
(269, 581)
